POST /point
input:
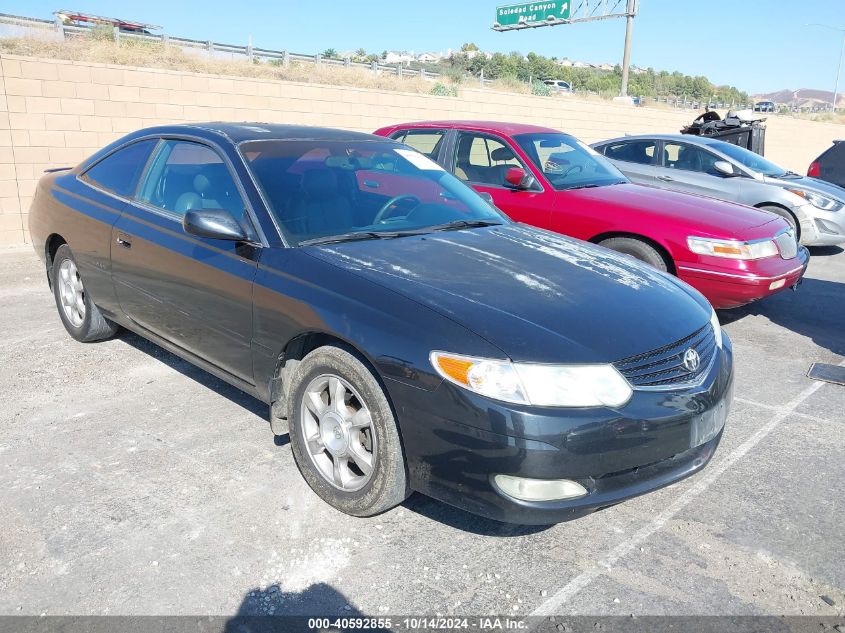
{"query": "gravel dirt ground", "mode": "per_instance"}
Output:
(133, 483)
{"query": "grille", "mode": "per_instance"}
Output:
(664, 366)
(787, 245)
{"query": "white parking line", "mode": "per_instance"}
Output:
(554, 602)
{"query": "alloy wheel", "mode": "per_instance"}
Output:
(338, 431)
(72, 293)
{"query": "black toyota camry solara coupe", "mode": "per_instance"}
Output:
(405, 333)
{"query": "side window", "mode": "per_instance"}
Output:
(641, 152)
(426, 142)
(484, 160)
(119, 172)
(186, 176)
(688, 157)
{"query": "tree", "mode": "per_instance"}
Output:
(468, 46)
(329, 53)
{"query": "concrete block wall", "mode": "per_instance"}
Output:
(55, 113)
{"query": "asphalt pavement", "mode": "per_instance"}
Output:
(133, 483)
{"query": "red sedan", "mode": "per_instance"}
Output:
(731, 253)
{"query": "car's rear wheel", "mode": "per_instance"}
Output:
(343, 434)
(80, 316)
(786, 215)
(637, 249)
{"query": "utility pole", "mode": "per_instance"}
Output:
(626, 56)
(838, 70)
(839, 62)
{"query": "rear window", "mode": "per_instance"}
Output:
(119, 171)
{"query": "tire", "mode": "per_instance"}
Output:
(637, 249)
(352, 460)
(786, 215)
(81, 318)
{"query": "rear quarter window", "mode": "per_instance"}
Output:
(120, 171)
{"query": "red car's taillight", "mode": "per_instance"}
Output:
(814, 169)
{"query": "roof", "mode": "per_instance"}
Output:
(482, 126)
(687, 138)
(247, 131)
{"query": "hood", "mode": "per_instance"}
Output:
(806, 182)
(537, 296)
(705, 216)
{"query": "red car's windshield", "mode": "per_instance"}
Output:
(320, 189)
(567, 163)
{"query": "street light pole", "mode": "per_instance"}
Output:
(838, 70)
(839, 63)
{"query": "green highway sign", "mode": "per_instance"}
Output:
(514, 15)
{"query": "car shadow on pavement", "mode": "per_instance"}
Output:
(465, 521)
(259, 607)
(251, 404)
(815, 310)
(825, 251)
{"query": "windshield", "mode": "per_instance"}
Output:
(360, 190)
(567, 163)
(749, 159)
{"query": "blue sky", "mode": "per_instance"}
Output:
(765, 47)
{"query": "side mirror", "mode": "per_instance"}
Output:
(216, 224)
(725, 168)
(518, 178)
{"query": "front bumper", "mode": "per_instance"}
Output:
(730, 288)
(821, 228)
(456, 442)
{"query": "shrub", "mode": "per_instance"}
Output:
(442, 90)
(539, 89)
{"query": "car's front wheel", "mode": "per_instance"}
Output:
(80, 316)
(343, 434)
(637, 249)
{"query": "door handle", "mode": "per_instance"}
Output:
(665, 178)
(124, 240)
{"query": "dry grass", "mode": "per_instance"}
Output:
(133, 52)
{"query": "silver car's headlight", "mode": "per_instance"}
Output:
(818, 200)
(535, 384)
(732, 249)
(717, 327)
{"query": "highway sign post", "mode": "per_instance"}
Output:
(532, 15)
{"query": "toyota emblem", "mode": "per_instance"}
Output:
(691, 360)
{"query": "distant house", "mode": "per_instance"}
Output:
(566, 62)
(403, 57)
(430, 58)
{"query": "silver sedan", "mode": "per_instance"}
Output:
(718, 169)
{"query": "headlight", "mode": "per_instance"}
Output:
(818, 200)
(535, 384)
(732, 249)
(717, 328)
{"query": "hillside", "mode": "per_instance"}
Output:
(802, 98)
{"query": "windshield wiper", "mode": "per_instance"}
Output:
(354, 236)
(789, 174)
(587, 186)
(463, 224)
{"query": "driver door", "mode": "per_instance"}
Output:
(194, 292)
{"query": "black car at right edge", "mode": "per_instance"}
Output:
(407, 333)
